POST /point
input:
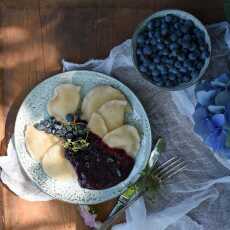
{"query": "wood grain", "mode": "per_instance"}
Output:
(34, 37)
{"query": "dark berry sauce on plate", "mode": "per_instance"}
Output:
(98, 166)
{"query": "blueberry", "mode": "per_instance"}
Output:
(152, 66)
(205, 53)
(173, 37)
(156, 60)
(159, 83)
(146, 62)
(40, 126)
(140, 39)
(69, 117)
(150, 25)
(49, 130)
(150, 34)
(165, 52)
(179, 33)
(168, 84)
(156, 78)
(183, 70)
(147, 50)
(177, 64)
(192, 47)
(153, 41)
(173, 46)
(189, 23)
(143, 69)
(147, 42)
(192, 56)
(186, 78)
(156, 22)
(160, 46)
(166, 41)
(157, 34)
(155, 73)
(172, 77)
(194, 74)
(177, 25)
(199, 66)
(184, 28)
(181, 57)
(185, 44)
(138, 51)
(186, 37)
(168, 18)
(173, 70)
(164, 31)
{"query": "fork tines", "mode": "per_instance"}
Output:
(169, 168)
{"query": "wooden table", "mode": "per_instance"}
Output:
(34, 37)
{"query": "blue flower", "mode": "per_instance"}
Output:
(212, 113)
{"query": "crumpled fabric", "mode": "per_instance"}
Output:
(198, 198)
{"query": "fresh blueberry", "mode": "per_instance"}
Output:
(146, 62)
(168, 18)
(186, 37)
(150, 25)
(155, 73)
(157, 22)
(172, 77)
(179, 33)
(160, 46)
(147, 50)
(159, 83)
(166, 41)
(157, 34)
(177, 64)
(186, 44)
(184, 28)
(181, 57)
(153, 41)
(164, 31)
(156, 60)
(173, 46)
(192, 56)
(173, 70)
(69, 117)
(143, 69)
(199, 66)
(69, 135)
(186, 78)
(156, 78)
(165, 52)
(150, 34)
(194, 74)
(40, 126)
(173, 37)
(168, 84)
(140, 39)
(189, 23)
(177, 25)
(192, 47)
(183, 70)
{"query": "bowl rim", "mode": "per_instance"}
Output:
(181, 14)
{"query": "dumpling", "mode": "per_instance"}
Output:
(113, 113)
(97, 125)
(38, 142)
(97, 97)
(65, 100)
(126, 137)
(56, 165)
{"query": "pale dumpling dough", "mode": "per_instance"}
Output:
(97, 125)
(126, 137)
(113, 113)
(56, 165)
(65, 100)
(38, 142)
(97, 97)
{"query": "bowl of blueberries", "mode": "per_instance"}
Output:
(171, 49)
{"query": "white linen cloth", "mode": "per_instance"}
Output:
(198, 198)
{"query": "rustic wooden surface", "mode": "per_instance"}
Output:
(34, 36)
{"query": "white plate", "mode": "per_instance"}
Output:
(33, 109)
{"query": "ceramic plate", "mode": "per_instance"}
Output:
(33, 109)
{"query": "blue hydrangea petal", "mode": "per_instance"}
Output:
(222, 98)
(200, 113)
(216, 109)
(218, 120)
(221, 81)
(204, 97)
(227, 114)
(204, 127)
(216, 140)
(204, 85)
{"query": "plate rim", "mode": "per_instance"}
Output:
(126, 88)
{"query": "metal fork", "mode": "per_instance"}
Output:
(160, 173)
